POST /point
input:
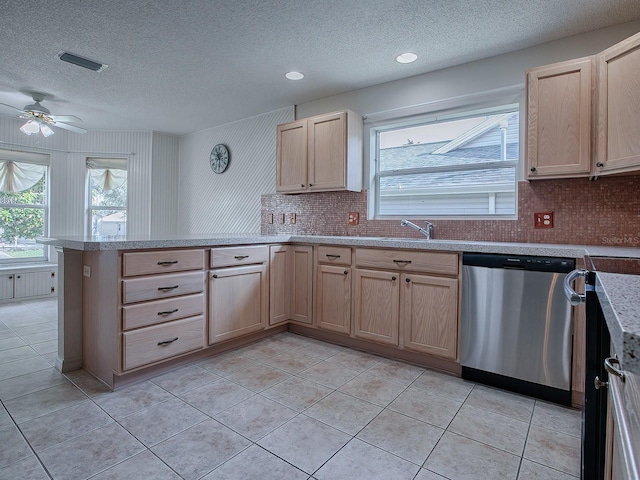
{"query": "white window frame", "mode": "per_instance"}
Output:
(494, 102)
(91, 208)
(37, 159)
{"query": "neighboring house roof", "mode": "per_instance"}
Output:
(483, 144)
(116, 217)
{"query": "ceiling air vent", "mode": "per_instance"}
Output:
(81, 61)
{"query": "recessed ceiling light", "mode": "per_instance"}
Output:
(294, 75)
(406, 58)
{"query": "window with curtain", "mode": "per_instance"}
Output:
(23, 206)
(107, 196)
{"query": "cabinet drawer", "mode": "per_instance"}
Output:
(161, 286)
(334, 255)
(232, 256)
(148, 345)
(160, 311)
(145, 263)
(428, 262)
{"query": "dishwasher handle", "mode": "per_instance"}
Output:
(574, 297)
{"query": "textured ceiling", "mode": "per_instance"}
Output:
(180, 66)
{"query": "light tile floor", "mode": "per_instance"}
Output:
(287, 407)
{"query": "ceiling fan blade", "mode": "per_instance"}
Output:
(11, 107)
(65, 118)
(71, 128)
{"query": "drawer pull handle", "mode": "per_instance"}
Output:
(404, 262)
(214, 276)
(346, 272)
(167, 342)
(166, 289)
(393, 278)
(611, 370)
(168, 262)
(329, 255)
(408, 280)
(168, 312)
(241, 257)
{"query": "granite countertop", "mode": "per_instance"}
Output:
(89, 243)
(619, 297)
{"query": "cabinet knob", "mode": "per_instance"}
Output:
(17, 276)
(532, 169)
(10, 277)
(599, 164)
(408, 280)
(214, 276)
(393, 278)
(302, 185)
(346, 272)
(311, 184)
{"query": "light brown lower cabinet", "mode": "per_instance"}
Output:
(333, 291)
(429, 314)
(290, 283)
(376, 313)
(238, 301)
(412, 311)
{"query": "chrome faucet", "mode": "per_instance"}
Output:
(427, 232)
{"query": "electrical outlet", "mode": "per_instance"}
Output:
(86, 271)
(543, 220)
(292, 218)
(270, 218)
(281, 218)
(354, 218)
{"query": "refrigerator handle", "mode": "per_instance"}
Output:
(574, 297)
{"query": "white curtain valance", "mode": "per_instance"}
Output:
(108, 173)
(25, 157)
(18, 176)
(107, 163)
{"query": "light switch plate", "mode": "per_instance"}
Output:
(270, 218)
(86, 271)
(292, 218)
(281, 218)
(354, 218)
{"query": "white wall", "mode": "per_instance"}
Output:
(152, 169)
(495, 73)
(229, 202)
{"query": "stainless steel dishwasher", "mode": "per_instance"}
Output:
(516, 330)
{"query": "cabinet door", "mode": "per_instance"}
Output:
(237, 301)
(33, 284)
(328, 152)
(279, 284)
(291, 157)
(376, 305)
(301, 283)
(333, 292)
(6, 286)
(559, 120)
(618, 117)
(429, 314)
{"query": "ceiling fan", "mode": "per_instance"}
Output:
(39, 118)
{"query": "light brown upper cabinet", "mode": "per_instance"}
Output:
(569, 104)
(319, 154)
(618, 117)
(559, 119)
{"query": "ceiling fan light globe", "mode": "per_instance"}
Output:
(46, 131)
(30, 127)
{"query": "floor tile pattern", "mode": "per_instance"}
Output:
(287, 407)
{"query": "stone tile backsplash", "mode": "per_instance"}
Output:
(600, 212)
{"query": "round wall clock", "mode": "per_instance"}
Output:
(219, 159)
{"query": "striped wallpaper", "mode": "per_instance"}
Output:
(229, 202)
